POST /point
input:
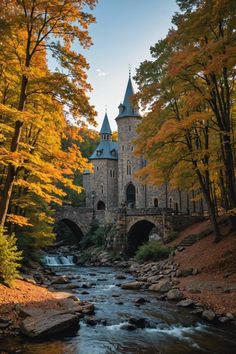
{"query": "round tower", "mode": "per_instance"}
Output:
(129, 190)
(101, 185)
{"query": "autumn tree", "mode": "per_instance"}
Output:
(33, 27)
(188, 89)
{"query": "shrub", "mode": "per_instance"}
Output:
(152, 251)
(10, 258)
(96, 235)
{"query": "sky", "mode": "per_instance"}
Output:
(122, 36)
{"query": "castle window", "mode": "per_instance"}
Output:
(128, 168)
(129, 128)
(100, 205)
(102, 188)
(110, 173)
(122, 148)
(97, 168)
(155, 202)
(132, 148)
(170, 203)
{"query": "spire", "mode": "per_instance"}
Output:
(106, 149)
(127, 109)
(105, 129)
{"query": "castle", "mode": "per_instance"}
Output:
(112, 183)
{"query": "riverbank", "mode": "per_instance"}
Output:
(205, 273)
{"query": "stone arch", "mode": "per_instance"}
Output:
(71, 232)
(130, 194)
(138, 234)
(101, 205)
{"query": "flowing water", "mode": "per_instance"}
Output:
(171, 330)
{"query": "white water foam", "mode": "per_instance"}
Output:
(55, 261)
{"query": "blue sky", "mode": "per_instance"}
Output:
(122, 35)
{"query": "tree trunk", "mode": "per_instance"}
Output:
(11, 172)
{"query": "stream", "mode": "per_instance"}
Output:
(170, 330)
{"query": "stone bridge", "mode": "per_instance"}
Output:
(133, 226)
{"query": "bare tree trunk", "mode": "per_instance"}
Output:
(11, 172)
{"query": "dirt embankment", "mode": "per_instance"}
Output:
(215, 285)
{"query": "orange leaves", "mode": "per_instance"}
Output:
(18, 220)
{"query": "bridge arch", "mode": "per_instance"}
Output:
(68, 231)
(138, 234)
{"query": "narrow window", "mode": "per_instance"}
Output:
(155, 202)
(129, 128)
(123, 148)
(128, 168)
(170, 203)
(101, 188)
(110, 173)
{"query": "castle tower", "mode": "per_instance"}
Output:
(101, 185)
(131, 192)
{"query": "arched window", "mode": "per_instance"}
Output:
(128, 168)
(130, 195)
(123, 148)
(155, 202)
(170, 203)
(100, 205)
(102, 188)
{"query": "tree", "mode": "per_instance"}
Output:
(31, 28)
(188, 88)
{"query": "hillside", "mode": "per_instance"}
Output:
(215, 283)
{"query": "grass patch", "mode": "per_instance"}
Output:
(152, 251)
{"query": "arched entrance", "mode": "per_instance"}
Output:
(130, 195)
(68, 232)
(137, 235)
(101, 205)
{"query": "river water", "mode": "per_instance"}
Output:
(171, 330)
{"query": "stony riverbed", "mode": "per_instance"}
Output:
(127, 321)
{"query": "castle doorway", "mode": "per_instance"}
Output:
(130, 195)
(100, 205)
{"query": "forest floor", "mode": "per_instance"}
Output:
(215, 285)
(23, 295)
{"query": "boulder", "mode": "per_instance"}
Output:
(91, 321)
(120, 276)
(186, 272)
(162, 286)
(174, 294)
(49, 324)
(154, 278)
(208, 315)
(132, 286)
(60, 280)
(128, 327)
(186, 303)
(140, 300)
(138, 322)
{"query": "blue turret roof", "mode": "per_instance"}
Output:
(105, 129)
(106, 149)
(127, 109)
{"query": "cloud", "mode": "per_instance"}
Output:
(101, 73)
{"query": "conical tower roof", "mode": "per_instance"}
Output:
(105, 129)
(106, 149)
(127, 109)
